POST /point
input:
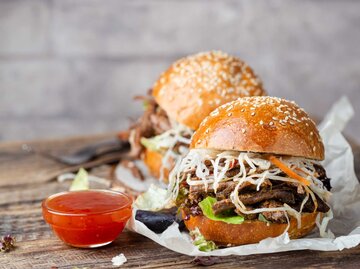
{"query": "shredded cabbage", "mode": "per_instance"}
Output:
(153, 199)
(200, 242)
(166, 142)
(254, 169)
(322, 224)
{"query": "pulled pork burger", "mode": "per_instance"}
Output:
(253, 171)
(181, 98)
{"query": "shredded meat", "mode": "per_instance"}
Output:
(225, 188)
(233, 172)
(283, 195)
(251, 216)
(225, 192)
(322, 176)
(153, 122)
(310, 206)
(222, 186)
(272, 194)
(273, 216)
(222, 205)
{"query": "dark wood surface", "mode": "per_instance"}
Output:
(26, 179)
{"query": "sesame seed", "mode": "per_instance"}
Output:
(261, 122)
(252, 114)
(229, 114)
(271, 123)
(243, 130)
(229, 108)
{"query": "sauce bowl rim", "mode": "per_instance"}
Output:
(127, 204)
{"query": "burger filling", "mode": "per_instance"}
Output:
(156, 132)
(251, 186)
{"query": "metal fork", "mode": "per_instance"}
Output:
(86, 153)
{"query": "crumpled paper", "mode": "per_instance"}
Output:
(125, 176)
(345, 202)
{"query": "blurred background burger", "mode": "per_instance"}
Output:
(181, 98)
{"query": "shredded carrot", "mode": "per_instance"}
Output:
(300, 170)
(283, 167)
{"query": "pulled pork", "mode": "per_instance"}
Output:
(153, 122)
(272, 194)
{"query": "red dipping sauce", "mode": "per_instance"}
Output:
(87, 219)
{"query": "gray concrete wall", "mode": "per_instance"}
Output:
(72, 66)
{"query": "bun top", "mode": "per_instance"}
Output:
(260, 124)
(195, 85)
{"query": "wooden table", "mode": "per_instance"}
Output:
(26, 179)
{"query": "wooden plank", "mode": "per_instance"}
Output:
(37, 247)
(18, 167)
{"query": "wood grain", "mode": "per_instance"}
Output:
(37, 247)
(40, 168)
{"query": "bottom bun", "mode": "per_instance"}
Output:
(248, 232)
(153, 161)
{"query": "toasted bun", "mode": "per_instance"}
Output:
(260, 124)
(153, 161)
(194, 86)
(250, 231)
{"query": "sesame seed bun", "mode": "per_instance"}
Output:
(195, 85)
(260, 124)
(250, 231)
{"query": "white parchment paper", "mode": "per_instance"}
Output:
(345, 202)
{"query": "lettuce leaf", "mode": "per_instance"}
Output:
(263, 219)
(152, 143)
(154, 199)
(206, 207)
(81, 181)
(200, 242)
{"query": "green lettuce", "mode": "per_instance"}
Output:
(263, 219)
(154, 199)
(151, 143)
(81, 181)
(200, 242)
(206, 207)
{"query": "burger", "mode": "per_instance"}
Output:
(253, 171)
(181, 98)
